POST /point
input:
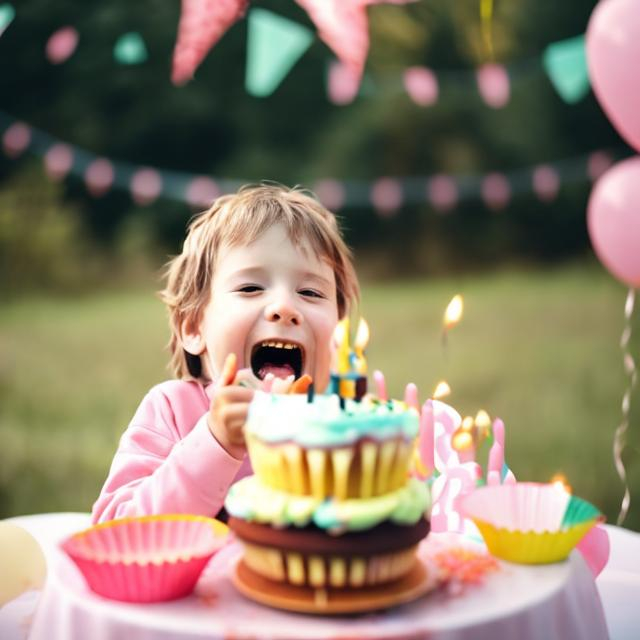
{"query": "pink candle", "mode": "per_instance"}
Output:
(381, 385)
(496, 460)
(411, 396)
(498, 432)
(426, 438)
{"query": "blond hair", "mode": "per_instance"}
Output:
(239, 219)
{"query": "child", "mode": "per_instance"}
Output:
(254, 296)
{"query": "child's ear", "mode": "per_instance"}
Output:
(191, 337)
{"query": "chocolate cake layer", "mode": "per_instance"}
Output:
(385, 538)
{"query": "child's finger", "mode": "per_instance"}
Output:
(301, 384)
(229, 369)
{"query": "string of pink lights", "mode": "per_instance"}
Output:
(385, 194)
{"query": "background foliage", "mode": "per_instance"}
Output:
(81, 337)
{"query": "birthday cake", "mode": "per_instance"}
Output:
(331, 506)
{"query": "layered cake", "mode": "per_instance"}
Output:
(331, 509)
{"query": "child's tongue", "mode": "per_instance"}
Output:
(278, 370)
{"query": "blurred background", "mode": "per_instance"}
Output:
(478, 186)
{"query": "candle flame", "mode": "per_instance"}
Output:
(560, 482)
(442, 389)
(462, 440)
(362, 336)
(453, 314)
(483, 421)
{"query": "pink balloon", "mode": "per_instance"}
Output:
(613, 54)
(613, 220)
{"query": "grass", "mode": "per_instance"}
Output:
(539, 349)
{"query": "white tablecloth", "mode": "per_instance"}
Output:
(553, 601)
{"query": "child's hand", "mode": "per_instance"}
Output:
(229, 407)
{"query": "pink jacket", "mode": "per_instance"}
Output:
(168, 461)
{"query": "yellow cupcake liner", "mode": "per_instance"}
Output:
(529, 547)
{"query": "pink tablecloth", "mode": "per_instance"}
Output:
(529, 603)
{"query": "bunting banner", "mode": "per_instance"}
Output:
(274, 45)
(564, 62)
(386, 195)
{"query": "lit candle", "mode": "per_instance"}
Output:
(361, 341)
(381, 385)
(341, 346)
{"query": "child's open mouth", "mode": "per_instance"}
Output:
(280, 358)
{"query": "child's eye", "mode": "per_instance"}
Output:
(310, 293)
(249, 288)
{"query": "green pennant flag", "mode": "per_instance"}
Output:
(130, 49)
(566, 65)
(7, 14)
(275, 44)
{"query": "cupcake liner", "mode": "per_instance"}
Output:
(146, 559)
(529, 523)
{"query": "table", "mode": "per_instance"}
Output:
(530, 603)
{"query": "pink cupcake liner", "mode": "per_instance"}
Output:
(146, 559)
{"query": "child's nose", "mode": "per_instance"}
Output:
(283, 310)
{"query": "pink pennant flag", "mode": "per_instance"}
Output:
(343, 26)
(202, 24)
(493, 85)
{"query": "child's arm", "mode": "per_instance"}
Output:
(168, 461)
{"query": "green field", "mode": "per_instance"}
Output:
(539, 349)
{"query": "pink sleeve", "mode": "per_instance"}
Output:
(164, 467)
